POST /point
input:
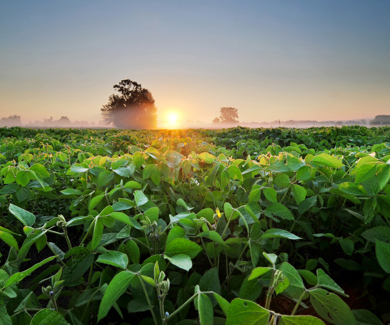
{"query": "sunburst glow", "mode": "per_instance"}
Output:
(172, 119)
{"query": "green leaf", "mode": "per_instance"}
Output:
(307, 204)
(115, 289)
(299, 193)
(175, 232)
(23, 177)
(279, 233)
(351, 188)
(210, 281)
(182, 261)
(19, 276)
(140, 198)
(152, 213)
(223, 303)
(205, 310)
(280, 210)
(48, 317)
(134, 251)
(214, 236)
(365, 172)
(325, 281)
(97, 233)
(9, 239)
(246, 312)
(94, 202)
(182, 246)
(132, 185)
(4, 317)
(206, 157)
(381, 233)
(105, 177)
(300, 320)
(331, 307)
(114, 258)
(259, 271)
(292, 274)
(25, 217)
(365, 317)
(309, 277)
(71, 191)
(234, 172)
(250, 289)
(282, 180)
(123, 171)
(347, 245)
(270, 194)
(122, 217)
(106, 211)
(382, 251)
(327, 160)
(78, 169)
(40, 169)
(278, 167)
(303, 173)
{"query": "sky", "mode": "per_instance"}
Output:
(270, 59)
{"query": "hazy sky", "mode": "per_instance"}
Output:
(274, 59)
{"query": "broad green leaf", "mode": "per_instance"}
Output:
(205, 310)
(182, 261)
(347, 245)
(300, 320)
(152, 213)
(182, 246)
(140, 198)
(214, 236)
(71, 191)
(365, 172)
(19, 276)
(206, 157)
(382, 251)
(106, 211)
(78, 169)
(351, 188)
(23, 177)
(115, 289)
(381, 233)
(299, 193)
(9, 239)
(48, 317)
(279, 233)
(132, 185)
(259, 271)
(325, 281)
(250, 289)
(309, 277)
(278, 167)
(331, 307)
(292, 274)
(270, 194)
(327, 160)
(307, 204)
(234, 172)
(114, 258)
(105, 177)
(95, 201)
(304, 173)
(175, 232)
(282, 180)
(97, 233)
(365, 317)
(210, 281)
(120, 216)
(134, 252)
(223, 303)
(123, 171)
(247, 312)
(5, 319)
(279, 210)
(25, 217)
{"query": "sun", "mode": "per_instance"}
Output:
(172, 119)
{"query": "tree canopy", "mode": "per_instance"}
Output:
(228, 115)
(133, 109)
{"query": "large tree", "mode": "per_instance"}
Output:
(133, 109)
(228, 115)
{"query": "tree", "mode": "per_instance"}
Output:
(133, 109)
(216, 120)
(228, 115)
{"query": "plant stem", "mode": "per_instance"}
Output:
(298, 303)
(147, 298)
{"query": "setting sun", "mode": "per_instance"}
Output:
(172, 119)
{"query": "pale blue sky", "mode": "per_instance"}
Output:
(274, 59)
